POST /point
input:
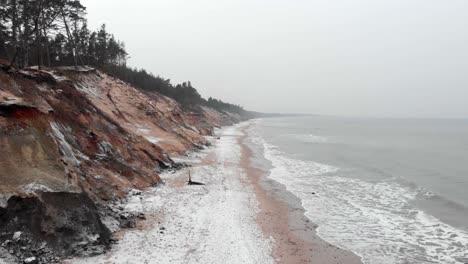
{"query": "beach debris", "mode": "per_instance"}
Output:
(127, 220)
(141, 216)
(133, 192)
(190, 182)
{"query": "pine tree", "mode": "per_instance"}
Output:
(101, 45)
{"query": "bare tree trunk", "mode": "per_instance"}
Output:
(26, 56)
(38, 34)
(12, 62)
(25, 47)
(70, 40)
(5, 45)
(75, 26)
(14, 20)
(38, 45)
(81, 60)
(14, 27)
(47, 48)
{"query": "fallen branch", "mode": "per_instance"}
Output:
(190, 182)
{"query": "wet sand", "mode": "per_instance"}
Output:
(281, 217)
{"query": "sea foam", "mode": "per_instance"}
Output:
(376, 220)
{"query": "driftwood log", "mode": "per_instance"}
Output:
(190, 182)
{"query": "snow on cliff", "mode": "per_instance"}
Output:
(83, 133)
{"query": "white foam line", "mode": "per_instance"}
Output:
(375, 220)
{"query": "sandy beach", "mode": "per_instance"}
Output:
(281, 217)
(237, 216)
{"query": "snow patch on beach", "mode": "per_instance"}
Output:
(214, 223)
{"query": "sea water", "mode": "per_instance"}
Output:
(390, 190)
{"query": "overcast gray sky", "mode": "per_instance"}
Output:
(398, 58)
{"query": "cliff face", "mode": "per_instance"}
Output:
(73, 139)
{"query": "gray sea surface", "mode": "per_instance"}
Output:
(390, 190)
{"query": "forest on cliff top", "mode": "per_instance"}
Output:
(51, 33)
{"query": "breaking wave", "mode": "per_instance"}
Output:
(376, 220)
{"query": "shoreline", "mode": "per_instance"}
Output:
(239, 216)
(282, 217)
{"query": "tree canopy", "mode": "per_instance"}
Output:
(55, 33)
(183, 93)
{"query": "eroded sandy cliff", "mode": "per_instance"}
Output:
(74, 141)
